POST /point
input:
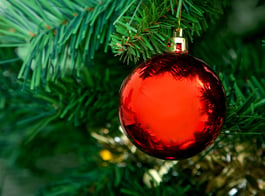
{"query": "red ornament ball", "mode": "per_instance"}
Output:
(172, 106)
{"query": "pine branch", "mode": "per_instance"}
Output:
(245, 115)
(82, 101)
(148, 30)
(58, 35)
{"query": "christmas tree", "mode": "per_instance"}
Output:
(62, 65)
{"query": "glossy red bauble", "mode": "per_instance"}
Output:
(172, 106)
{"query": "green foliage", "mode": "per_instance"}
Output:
(79, 101)
(148, 30)
(58, 35)
(245, 115)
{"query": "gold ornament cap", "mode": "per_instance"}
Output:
(178, 43)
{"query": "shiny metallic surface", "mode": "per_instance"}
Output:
(172, 106)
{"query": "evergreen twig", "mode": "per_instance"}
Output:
(148, 32)
(59, 35)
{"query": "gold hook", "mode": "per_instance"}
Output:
(178, 42)
(179, 18)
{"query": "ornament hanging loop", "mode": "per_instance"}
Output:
(178, 43)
